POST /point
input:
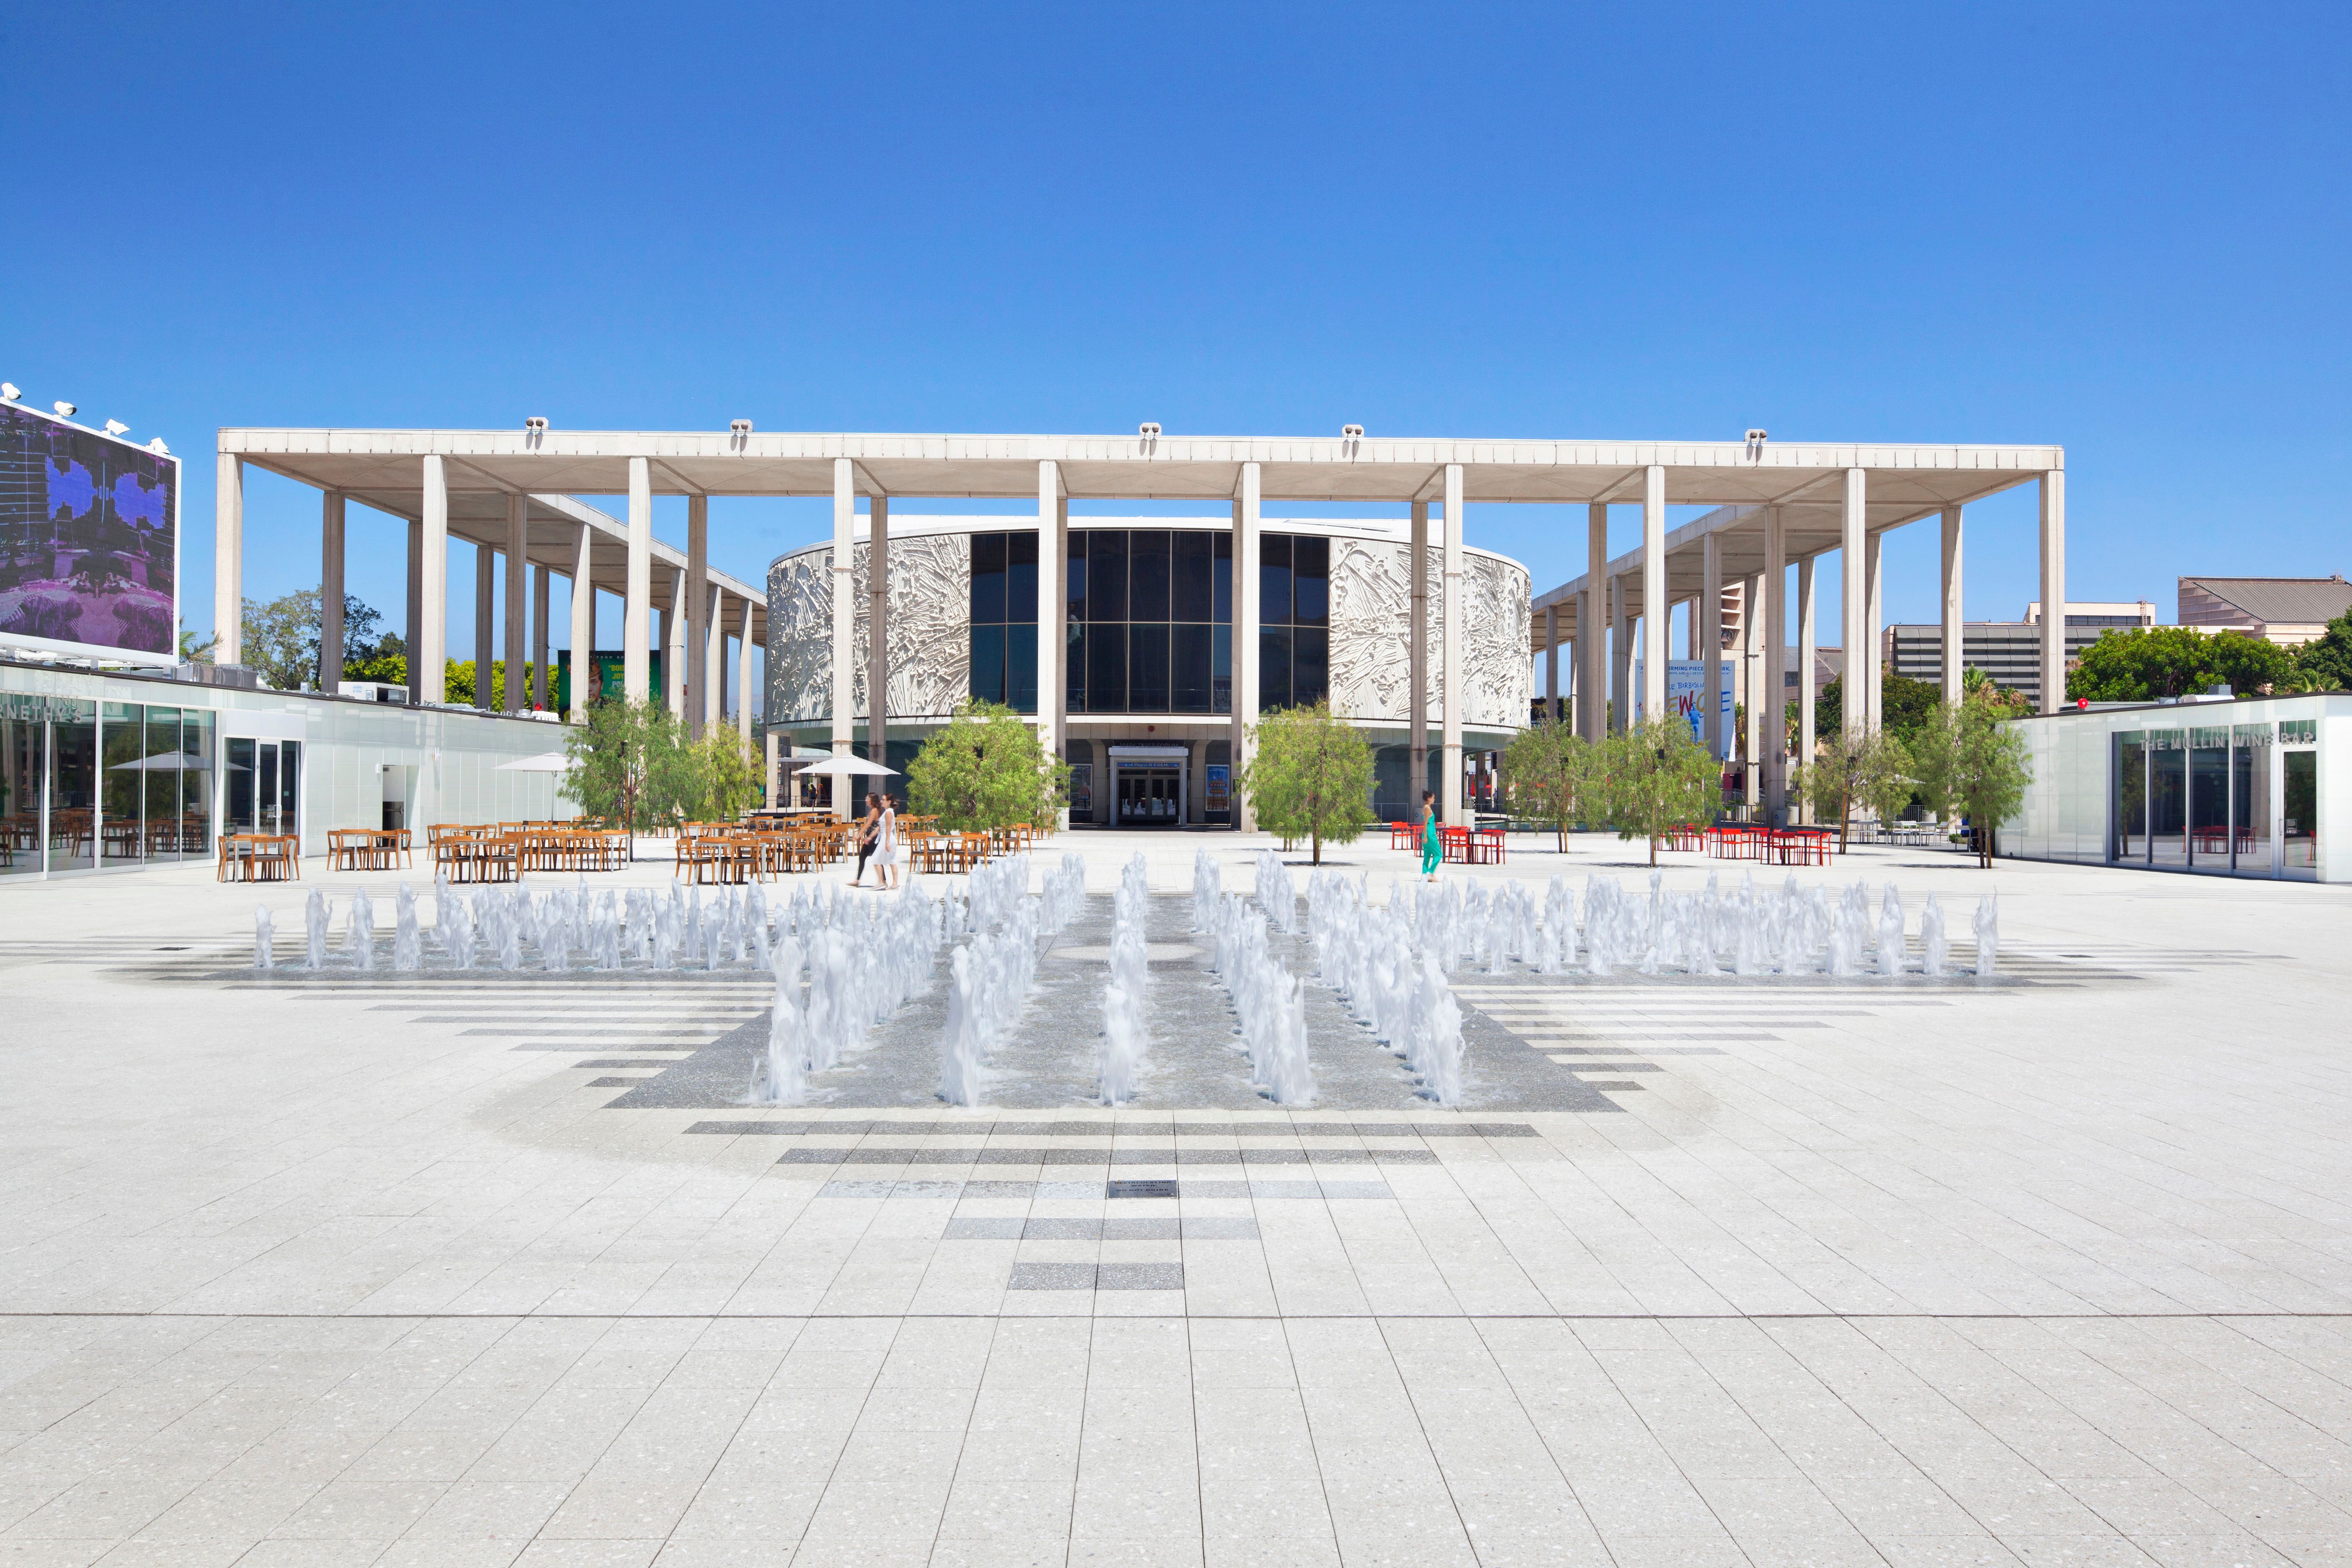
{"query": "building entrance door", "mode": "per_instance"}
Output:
(1149, 797)
(265, 785)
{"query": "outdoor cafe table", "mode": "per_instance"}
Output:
(258, 858)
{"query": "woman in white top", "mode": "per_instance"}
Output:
(885, 845)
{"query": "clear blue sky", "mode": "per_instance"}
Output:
(2123, 229)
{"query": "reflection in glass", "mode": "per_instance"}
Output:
(1146, 578)
(987, 579)
(289, 787)
(2250, 802)
(1106, 669)
(1074, 668)
(2299, 809)
(1221, 669)
(1021, 666)
(1273, 580)
(2209, 798)
(1147, 668)
(2167, 799)
(159, 781)
(1273, 668)
(120, 794)
(1106, 575)
(1021, 579)
(2131, 797)
(1310, 574)
(1188, 666)
(24, 763)
(1191, 597)
(1310, 664)
(73, 785)
(987, 663)
(239, 817)
(196, 775)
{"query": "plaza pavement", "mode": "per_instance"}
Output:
(2053, 1271)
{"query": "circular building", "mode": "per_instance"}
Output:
(1150, 621)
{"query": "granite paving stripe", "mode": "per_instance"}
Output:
(1615, 1067)
(572, 1042)
(1654, 1051)
(1123, 1130)
(612, 1082)
(980, 1156)
(627, 1062)
(1617, 1086)
(1015, 1229)
(496, 1032)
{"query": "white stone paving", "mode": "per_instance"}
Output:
(2059, 1272)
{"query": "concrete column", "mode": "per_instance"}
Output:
(1592, 613)
(2053, 590)
(877, 630)
(1875, 616)
(331, 592)
(699, 667)
(583, 626)
(1808, 651)
(413, 632)
(743, 680)
(674, 644)
(1654, 591)
(1753, 680)
(1551, 663)
(1854, 605)
(711, 704)
(775, 769)
(1621, 654)
(486, 587)
(1776, 666)
(1710, 643)
(637, 594)
(1955, 628)
(1053, 531)
(517, 627)
(845, 619)
(228, 559)
(538, 676)
(433, 639)
(1416, 722)
(1246, 610)
(1450, 680)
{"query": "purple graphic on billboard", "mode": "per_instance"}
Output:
(87, 533)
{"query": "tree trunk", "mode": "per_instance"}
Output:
(1315, 838)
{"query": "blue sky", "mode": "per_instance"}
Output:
(2119, 230)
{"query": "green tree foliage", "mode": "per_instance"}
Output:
(2327, 665)
(1547, 769)
(282, 638)
(1873, 769)
(1655, 777)
(1975, 686)
(616, 757)
(1903, 704)
(2144, 663)
(1971, 762)
(985, 768)
(1309, 775)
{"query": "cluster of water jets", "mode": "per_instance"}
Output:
(1271, 1006)
(1124, 1038)
(554, 929)
(863, 959)
(1384, 963)
(1064, 898)
(990, 977)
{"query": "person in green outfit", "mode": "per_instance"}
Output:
(1430, 852)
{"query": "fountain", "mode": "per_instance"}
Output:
(1933, 948)
(1987, 924)
(359, 930)
(457, 933)
(407, 942)
(780, 1077)
(314, 931)
(1890, 933)
(1270, 1004)
(1124, 1038)
(1275, 894)
(264, 934)
(1204, 890)
(1065, 895)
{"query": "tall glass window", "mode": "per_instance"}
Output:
(2167, 799)
(24, 764)
(2131, 796)
(1004, 619)
(2250, 800)
(2298, 808)
(121, 794)
(2209, 797)
(73, 784)
(1150, 621)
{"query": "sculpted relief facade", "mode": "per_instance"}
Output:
(930, 632)
(1371, 609)
(930, 629)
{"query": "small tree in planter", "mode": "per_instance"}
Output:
(984, 770)
(1970, 761)
(623, 762)
(1548, 769)
(1655, 778)
(1309, 776)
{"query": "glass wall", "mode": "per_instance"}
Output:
(2299, 798)
(1150, 621)
(1294, 621)
(1004, 619)
(2195, 799)
(24, 763)
(73, 784)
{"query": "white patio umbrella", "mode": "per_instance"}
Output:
(845, 766)
(545, 763)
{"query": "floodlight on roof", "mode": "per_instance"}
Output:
(10, 391)
(1148, 430)
(535, 424)
(157, 446)
(739, 426)
(64, 410)
(117, 428)
(1757, 435)
(1351, 432)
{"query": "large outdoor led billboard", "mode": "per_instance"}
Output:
(89, 537)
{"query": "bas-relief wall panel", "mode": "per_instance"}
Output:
(931, 636)
(1371, 609)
